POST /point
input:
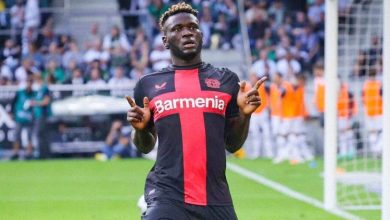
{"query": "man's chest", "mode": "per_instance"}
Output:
(188, 92)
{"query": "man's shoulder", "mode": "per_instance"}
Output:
(221, 70)
(155, 74)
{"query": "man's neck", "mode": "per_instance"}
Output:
(181, 62)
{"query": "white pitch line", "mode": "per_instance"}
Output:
(288, 192)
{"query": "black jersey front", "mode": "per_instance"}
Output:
(189, 108)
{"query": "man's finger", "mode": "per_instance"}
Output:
(257, 103)
(254, 99)
(146, 102)
(130, 101)
(252, 92)
(136, 110)
(260, 81)
(242, 85)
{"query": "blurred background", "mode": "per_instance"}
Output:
(66, 66)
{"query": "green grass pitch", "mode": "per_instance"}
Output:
(88, 189)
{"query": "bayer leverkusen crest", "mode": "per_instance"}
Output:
(213, 83)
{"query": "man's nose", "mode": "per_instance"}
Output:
(187, 32)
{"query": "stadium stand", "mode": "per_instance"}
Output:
(75, 44)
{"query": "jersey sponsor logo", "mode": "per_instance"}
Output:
(212, 83)
(160, 87)
(183, 103)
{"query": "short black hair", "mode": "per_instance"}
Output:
(180, 7)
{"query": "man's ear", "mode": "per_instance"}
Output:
(165, 42)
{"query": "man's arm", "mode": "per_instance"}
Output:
(237, 127)
(144, 140)
(236, 132)
(144, 136)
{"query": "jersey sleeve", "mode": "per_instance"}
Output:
(232, 107)
(139, 94)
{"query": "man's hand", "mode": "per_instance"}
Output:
(249, 101)
(138, 117)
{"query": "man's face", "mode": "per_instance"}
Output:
(183, 36)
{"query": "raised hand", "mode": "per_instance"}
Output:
(138, 117)
(249, 101)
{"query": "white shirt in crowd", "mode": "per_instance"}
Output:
(122, 42)
(259, 67)
(21, 75)
(115, 81)
(283, 66)
(93, 54)
(32, 14)
(5, 72)
(160, 59)
(97, 82)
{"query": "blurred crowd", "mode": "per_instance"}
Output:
(283, 31)
(286, 40)
(284, 37)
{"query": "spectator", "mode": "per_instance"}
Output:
(117, 143)
(288, 67)
(54, 54)
(32, 14)
(264, 66)
(361, 66)
(36, 55)
(319, 91)
(11, 53)
(221, 30)
(310, 42)
(277, 11)
(375, 50)
(96, 53)
(73, 54)
(139, 54)
(258, 25)
(116, 40)
(23, 116)
(156, 8)
(315, 11)
(119, 79)
(97, 64)
(41, 111)
(206, 23)
(17, 16)
(46, 38)
(138, 71)
(118, 46)
(77, 77)
(72, 64)
(30, 36)
(346, 108)
(300, 23)
(93, 37)
(53, 74)
(95, 78)
(5, 73)
(159, 57)
(63, 43)
(22, 72)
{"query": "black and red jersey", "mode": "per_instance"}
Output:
(189, 108)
